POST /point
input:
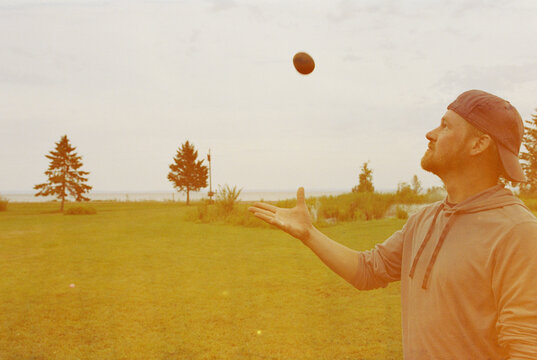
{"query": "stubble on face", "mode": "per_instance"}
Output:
(428, 162)
(447, 143)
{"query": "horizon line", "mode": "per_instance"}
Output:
(27, 192)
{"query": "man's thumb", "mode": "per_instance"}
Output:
(300, 199)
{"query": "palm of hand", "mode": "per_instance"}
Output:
(296, 221)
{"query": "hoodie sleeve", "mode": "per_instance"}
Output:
(514, 284)
(382, 264)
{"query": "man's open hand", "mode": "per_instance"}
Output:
(296, 221)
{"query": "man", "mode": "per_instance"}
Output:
(468, 264)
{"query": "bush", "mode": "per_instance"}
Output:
(3, 204)
(407, 195)
(287, 203)
(354, 206)
(326, 210)
(206, 212)
(401, 213)
(241, 216)
(226, 197)
(435, 193)
(203, 210)
(80, 210)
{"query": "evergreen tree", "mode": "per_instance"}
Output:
(365, 179)
(64, 176)
(416, 185)
(187, 173)
(529, 158)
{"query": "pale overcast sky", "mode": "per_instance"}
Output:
(129, 81)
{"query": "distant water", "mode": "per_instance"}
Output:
(171, 196)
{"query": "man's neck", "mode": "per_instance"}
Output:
(464, 188)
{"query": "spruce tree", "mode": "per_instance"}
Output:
(529, 158)
(64, 176)
(365, 183)
(187, 173)
(416, 185)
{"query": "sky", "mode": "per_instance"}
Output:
(129, 81)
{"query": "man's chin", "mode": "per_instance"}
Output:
(427, 164)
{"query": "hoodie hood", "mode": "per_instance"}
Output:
(494, 198)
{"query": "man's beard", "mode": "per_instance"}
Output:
(427, 162)
(439, 165)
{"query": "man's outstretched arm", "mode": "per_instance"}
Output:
(347, 263)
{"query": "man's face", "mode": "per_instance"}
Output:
(448, 145)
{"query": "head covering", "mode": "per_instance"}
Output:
(499, 119)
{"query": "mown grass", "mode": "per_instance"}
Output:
(150, 285)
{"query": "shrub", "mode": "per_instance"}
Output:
(407, 195)
(3, 203)
(324, 211)
(202, 209)
(435, 193)
(287, 203)
(401, 213)
(355, 206)
(241, 216)
(80, 210)
(226, 197)
(206, 212)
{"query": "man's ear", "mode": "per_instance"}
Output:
(480, 144)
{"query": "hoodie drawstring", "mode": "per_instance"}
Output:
(427, 237)
(436, 250)
(495, 197)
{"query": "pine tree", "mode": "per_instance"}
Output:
(187, 173)
(529, 158)
(365, 179)
(416, 185)
(64, 176)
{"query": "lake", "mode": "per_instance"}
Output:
(251, 195)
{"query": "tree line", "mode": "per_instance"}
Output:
(187, 173)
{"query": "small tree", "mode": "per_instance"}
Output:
(529, 158)
(187, 173)
(365, 179)
(64, 176)
(416, 185)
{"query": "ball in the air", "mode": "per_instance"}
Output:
(303, 63)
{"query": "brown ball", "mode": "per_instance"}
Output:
(303, 63)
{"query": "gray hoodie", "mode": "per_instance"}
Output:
(468, 278)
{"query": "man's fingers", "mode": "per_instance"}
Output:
(265, 206)
(261, 211)
(270, 219)
(264, 217)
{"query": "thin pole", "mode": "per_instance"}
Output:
(210, 177)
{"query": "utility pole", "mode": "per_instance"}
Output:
(211, 193)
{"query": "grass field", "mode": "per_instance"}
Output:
(149, 285)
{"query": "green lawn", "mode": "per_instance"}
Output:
(148, 285)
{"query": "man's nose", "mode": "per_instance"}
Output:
(430, 135)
